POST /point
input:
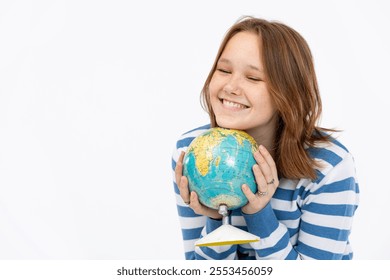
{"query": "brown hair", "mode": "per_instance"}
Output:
(292, 83)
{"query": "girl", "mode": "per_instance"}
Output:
(263, 82)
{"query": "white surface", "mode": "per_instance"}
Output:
(227, 234)
(93, 95)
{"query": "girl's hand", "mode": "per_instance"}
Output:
(266, 177)
(191, 199)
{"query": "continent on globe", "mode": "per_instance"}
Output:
(217, 163)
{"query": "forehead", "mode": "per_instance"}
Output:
(244, 47)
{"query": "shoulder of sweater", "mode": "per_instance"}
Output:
(332, 152)
(186, 138)
(330, 156)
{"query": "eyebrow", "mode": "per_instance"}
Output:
(224, 60)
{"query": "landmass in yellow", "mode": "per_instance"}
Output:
(202, 146)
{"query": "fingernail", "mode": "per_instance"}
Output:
(262, 148)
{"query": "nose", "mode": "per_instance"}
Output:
(232, 86)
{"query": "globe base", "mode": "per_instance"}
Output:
(227, 235)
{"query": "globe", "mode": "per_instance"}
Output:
(217, 163)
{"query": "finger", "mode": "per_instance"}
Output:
(183, 189)
(265, 167)
(260, 179)
(200, 209)
(268, 158)
(252, 198)
(179, 168)
(269, 173)
(196, 205)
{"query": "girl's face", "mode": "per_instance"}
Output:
(238, 94)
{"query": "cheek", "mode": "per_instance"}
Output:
(269, 108)
(212, 88)
(215, 86)
(263, 102)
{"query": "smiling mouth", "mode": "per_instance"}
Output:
(233, 105)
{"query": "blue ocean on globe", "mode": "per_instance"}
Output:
(217, 163)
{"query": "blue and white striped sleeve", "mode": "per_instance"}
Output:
(328, 209)
(325, 208)
(193, 226)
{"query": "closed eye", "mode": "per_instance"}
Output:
(256, 79)
(224, 71)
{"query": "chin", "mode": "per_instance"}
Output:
(230, 125)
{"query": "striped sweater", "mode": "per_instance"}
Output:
(305, 219)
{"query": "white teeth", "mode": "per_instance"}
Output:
(233, 104)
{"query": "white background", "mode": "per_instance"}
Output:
(94, 94)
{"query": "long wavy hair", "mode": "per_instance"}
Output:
(292, 83)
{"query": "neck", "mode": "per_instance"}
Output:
(265, 136)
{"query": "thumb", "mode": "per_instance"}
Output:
(248, 193)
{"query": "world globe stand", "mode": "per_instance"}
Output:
(226, 234)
